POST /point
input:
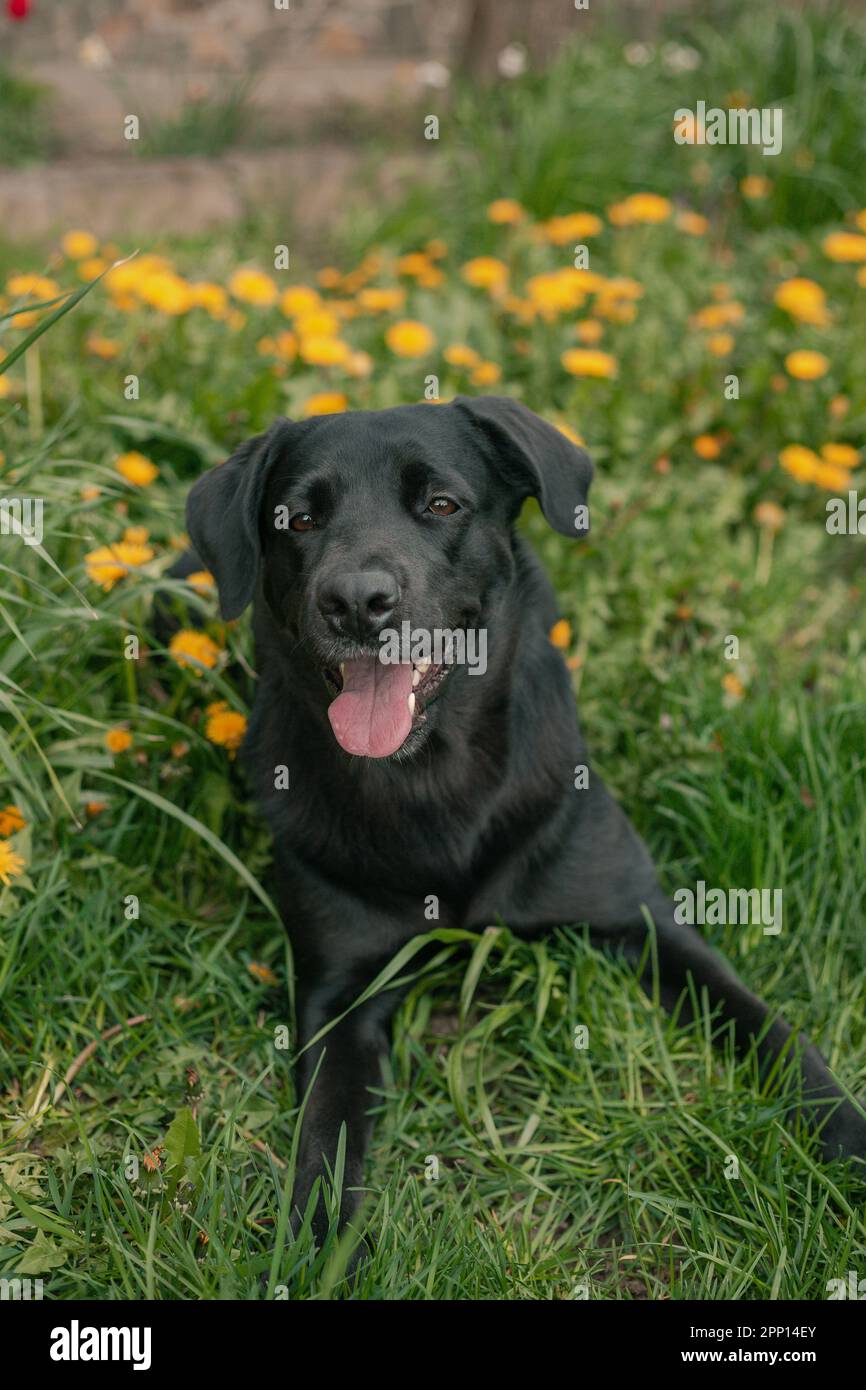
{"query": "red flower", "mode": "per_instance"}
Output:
(17, 9)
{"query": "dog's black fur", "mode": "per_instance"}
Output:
(479, 806)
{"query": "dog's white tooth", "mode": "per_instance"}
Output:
(342, 667)
(412, 703)
(422, 666)
(416, 678)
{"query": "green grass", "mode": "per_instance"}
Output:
(25, 129)
(205, 127)
(560, 1170)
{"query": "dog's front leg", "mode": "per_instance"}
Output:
(338, 1070)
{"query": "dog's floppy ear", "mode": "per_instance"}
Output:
(536, 458)
(222, 518)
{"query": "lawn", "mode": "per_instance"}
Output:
(710, 349)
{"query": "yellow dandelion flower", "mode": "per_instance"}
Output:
(325, 403)
(461, 355)
(485, 273)
(225, 726)
(415, 263)
(32, 287)
(486, 374)
(800, 462)
(166, 292)
(589, 362)
(829, 476)
(720, 344)
(206, 295)
(321, 351)
(91, 268)
(844, 246)
(329, 277)
(299, 299)
(11, 864)
(718, 315)
(755, 186)
(559, 231)
(803, 300)
(110, 563)
(118, 740)
(503, 211)
(692, 223)
(409, 338)
(105, 348)
(560, 634)
(78, 245)
(202, 581)
(136, 535)
(382, 301)
(641, 207)
(192, 650)
(136, 468)
(318, 323)
(253, 287)
(807, 365)
(842, 455)
(589, 331)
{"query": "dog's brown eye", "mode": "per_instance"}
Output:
(302, 521)
(442, 506)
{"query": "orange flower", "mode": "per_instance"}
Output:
(588, 362)
(325, 403)
(572, 227)
(136, 469)
(118, 740)
(755, 186)
(692, 223)
(225, 727)
(202, 581)
(504, 210)
(263, 973)
(707, 446)
(842, 455)
(486, 273)
(803, 300)
(844, 246)
(409, 338)
(800, 462)
(109, 563)
(192, 649)
(11, 821)
(253, 287)
(460, 355)
(560, 634)
(806, 365)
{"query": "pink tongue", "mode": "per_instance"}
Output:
(370, 717)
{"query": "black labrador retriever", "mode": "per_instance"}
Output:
(425, 779)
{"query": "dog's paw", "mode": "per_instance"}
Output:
(843, 1134)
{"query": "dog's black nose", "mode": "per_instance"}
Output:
(358, 605)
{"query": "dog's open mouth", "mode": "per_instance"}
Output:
(378, 705)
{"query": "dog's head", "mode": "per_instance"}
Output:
(372, 527)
